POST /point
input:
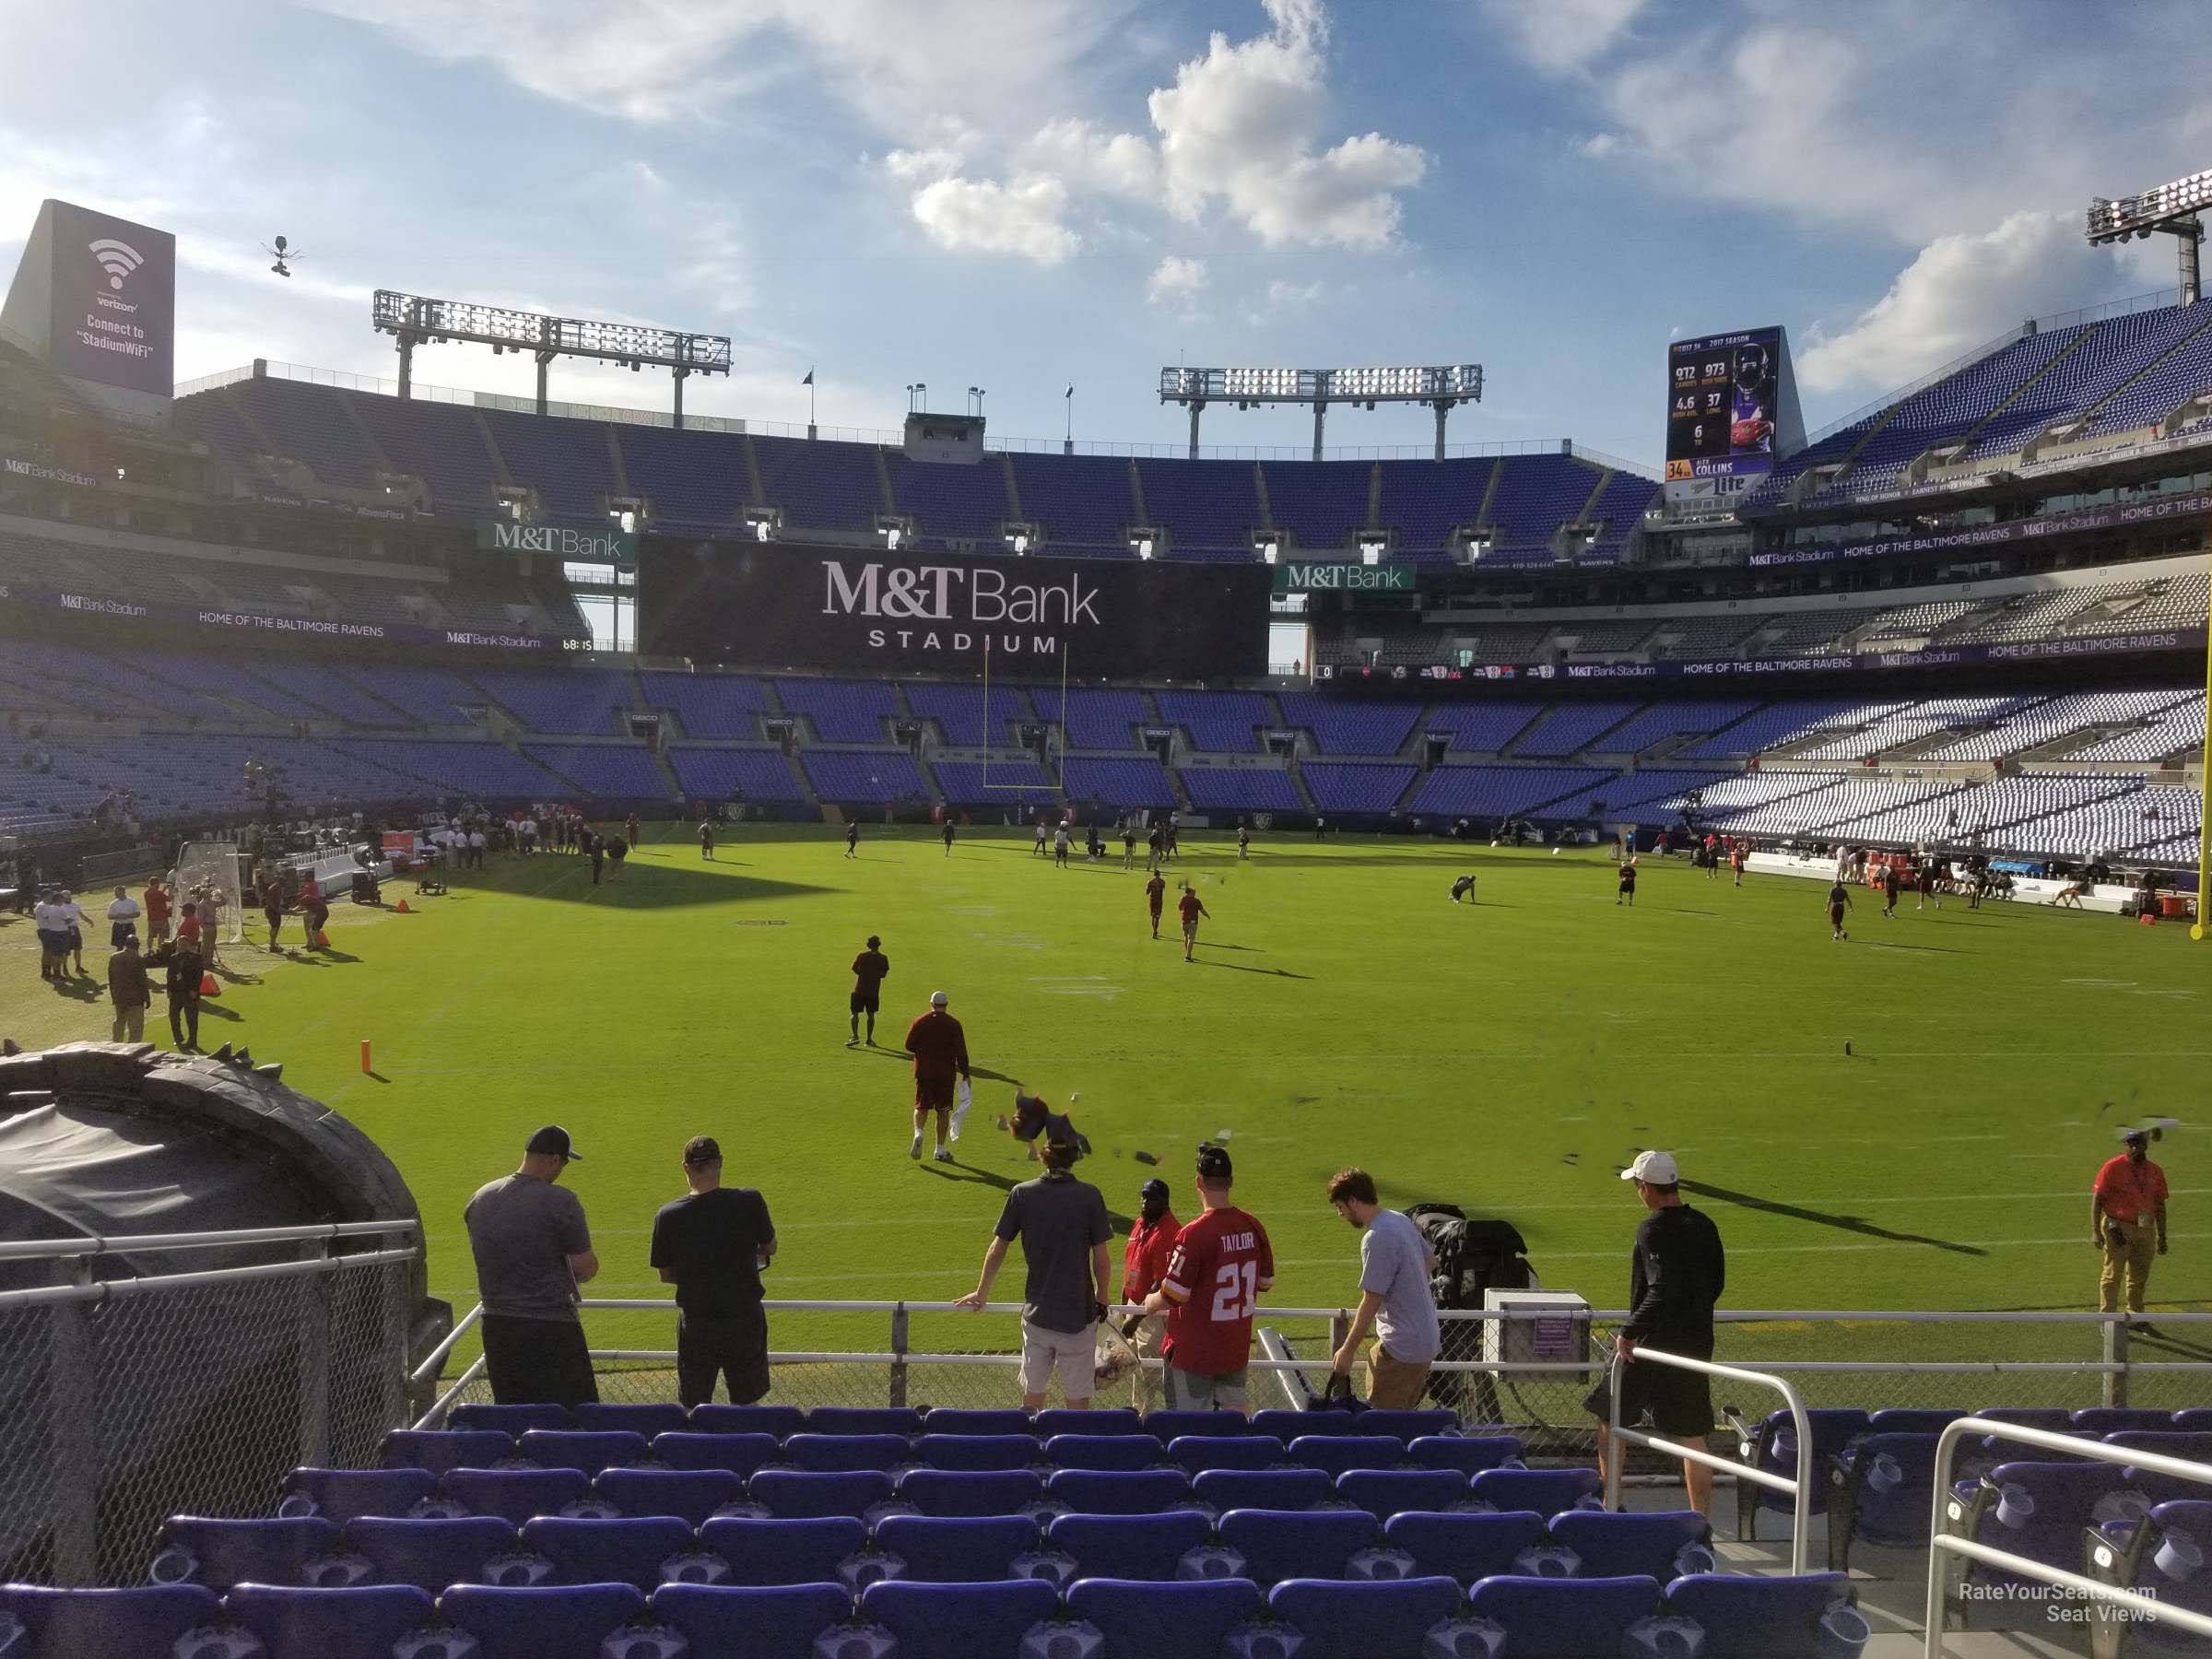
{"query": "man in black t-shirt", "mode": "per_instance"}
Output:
(868, 969)
(711, 1245)
(1676, 1275)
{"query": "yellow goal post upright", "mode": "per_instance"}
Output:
(1059, 725)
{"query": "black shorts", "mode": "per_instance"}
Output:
(118, 931)
(1677, 1402)
(733, 1347)
(538, 1362)
(864, 1002)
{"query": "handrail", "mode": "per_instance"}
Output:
(1941, 1543)
(122, 1289)
(21, 1249)
(1800, 1489)
(435, 1363)
(435, 1417)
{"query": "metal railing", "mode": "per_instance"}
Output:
(133, 1398)
(1799, 1491)
(1942, 1544)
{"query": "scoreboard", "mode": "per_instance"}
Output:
(1732, 405)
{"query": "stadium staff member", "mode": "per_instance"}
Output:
(711, 1245)
(1223, 1261)
(1065, 1239)
(1676, 1275)
(940, 1050)
(1144, 1266)
(1394, 1298)
(533, 1249)
(2127, 1204)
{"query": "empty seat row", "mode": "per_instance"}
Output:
(521, 1493)
(1725, 1618)
(1265, 1545)
(594, 1450)
(784, 1420)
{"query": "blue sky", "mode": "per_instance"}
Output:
(1022, 194)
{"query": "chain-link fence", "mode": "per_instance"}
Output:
(128, 1400)
(1529, 1370)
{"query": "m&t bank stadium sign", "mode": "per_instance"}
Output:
(1342, 576)
(590, 546)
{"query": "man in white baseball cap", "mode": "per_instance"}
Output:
(940, 1050)
(1676, 1275)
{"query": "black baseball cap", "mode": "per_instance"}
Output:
(1212, 1162)
(552, 1141)
(874, 940)
(1153, 1188)
(703, 1149)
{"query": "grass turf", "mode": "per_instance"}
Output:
(1509, 1055)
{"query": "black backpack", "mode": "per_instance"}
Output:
(1472, 1257)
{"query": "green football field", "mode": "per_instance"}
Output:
(1509, 1056)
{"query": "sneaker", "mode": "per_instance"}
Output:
(851, 1042)
(914, 1147)
(942, 1155)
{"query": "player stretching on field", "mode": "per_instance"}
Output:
(1156, 892)
(1191, 906)
(1038, 851)
(1627, 895)
(868, 971)
(1839, 901)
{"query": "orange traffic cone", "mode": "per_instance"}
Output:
(208, 988)
(322, 941)
(403, 907)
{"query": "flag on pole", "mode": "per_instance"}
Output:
(809, 380)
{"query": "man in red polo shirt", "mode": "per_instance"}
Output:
(1144, 1268)
(1191, 906)
(2127, 1221)
(940, 1052)
(1222, 1263)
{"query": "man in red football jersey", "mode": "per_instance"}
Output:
(1156, 893)
(1222, 1263)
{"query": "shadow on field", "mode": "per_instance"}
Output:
(650, 884)
(1241, 968)
(891, 1053)
(973, 1176)
(1846, 1223)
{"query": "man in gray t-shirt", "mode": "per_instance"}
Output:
(1394, 1297)
(1065, 1239)
(532, 1249)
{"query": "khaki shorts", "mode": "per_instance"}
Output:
(1187, 1391)
(1069, 1355)
(1394, 1384)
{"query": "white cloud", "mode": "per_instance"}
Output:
(1241, 126)
(1023, 217)
(1119, 164)
(1176, 283)
(1560, 36)
(1961, 291)
(896, 62)
(923, 166)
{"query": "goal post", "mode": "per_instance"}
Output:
(1058, 724)
(214, 865)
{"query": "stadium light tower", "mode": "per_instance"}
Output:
(2169, 210)
(1440, 388)
(413, 320)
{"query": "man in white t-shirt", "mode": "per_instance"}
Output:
(123, 917)
(476, 848)
(1394, 1297)
(51, 918)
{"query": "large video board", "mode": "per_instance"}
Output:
(1724, 403)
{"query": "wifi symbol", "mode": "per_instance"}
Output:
(118, 259)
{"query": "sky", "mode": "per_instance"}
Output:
(1027, 194)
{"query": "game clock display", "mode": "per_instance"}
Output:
(1722, 393)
